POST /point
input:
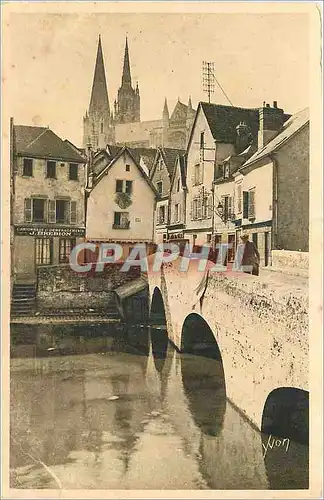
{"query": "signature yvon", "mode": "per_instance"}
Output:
(275, 443)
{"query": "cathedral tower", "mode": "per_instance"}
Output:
(127, 106)
(98, 127)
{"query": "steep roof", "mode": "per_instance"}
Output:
(108, 154)
(147, 154)
(108, 166)
(41, 142)
(223, 120)
(99, 100)
(181, 162)
(170, 155)
(290, 127)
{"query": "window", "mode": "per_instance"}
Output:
(196, 209)
(73, 171)
(227, 202)
(62, 211)
(51, 170)
(127, 168)
(202, 140)
(66, 246)
(209, 238)
(124, 186)
(121, 220)
(176, 212)
(251, 207)
(198, 174)
(226, 170)
(38, 213)
(119, 186)
(28, 167)
(178, 185)
(159, 187)
(44, 251)
(129, 187)
(161, 214)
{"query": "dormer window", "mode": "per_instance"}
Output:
(226, 170)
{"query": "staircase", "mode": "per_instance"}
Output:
(23, 301)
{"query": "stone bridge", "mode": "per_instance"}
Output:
(259, 326)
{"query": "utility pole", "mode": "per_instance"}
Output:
(208, 78)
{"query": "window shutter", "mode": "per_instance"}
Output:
(191, 210)
(251, 206)
(28, 210)
(73, 214)
(199, 209)
(52, 211)
(245, 204)
(230, 206)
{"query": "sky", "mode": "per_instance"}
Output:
(257, 57)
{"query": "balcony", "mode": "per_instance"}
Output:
(123, 225)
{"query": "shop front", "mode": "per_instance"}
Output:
(43, 246)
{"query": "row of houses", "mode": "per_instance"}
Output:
(243, 170)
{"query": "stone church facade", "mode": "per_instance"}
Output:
(123, 127)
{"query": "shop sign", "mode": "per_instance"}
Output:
(49, 231)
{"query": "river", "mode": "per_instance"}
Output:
(94, 407)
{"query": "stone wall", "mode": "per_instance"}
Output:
(282, 259)
(260, 325)
(60, 288)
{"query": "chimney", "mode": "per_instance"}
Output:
(243, 137)
(270, 123)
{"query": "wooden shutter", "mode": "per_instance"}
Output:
(73, 214)
(245, 204)
(251, 209)
(28, 210)
(199, 209)
(52, 211)
(230, 206)
(225, 205)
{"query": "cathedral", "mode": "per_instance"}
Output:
(101, 126)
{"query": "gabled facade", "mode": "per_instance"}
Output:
(121, 202)
(48, 215)
(161, 176)
(213, 138)
(177, 202)
(273, 189)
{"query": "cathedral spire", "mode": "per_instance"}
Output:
(126, 78)
(165, 109)
(99, 101)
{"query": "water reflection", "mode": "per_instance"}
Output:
(204, 386)
(100, 419)
(163, 353)
(285, 424)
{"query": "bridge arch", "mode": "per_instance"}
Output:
(203, 375)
